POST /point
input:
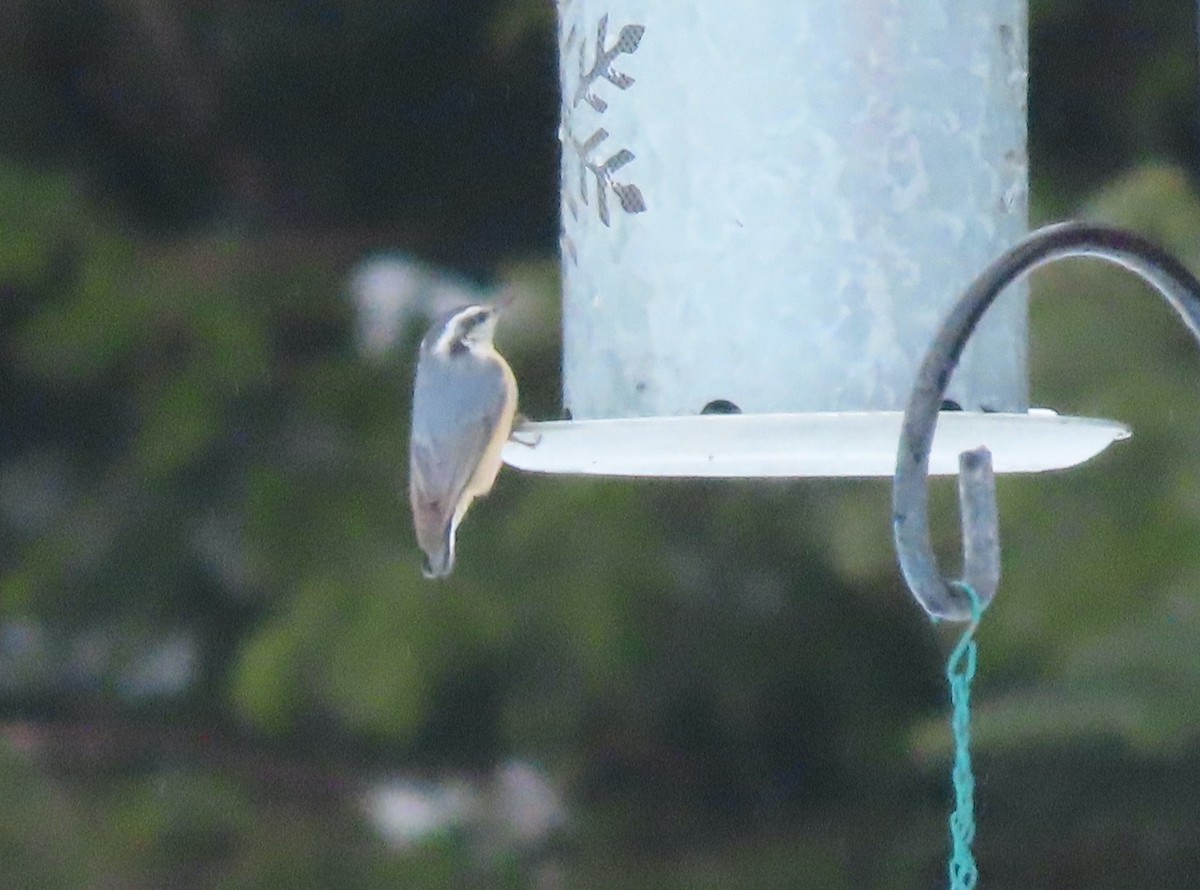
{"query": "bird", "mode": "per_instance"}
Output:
(463, 408)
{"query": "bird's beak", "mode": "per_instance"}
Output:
(505, 299)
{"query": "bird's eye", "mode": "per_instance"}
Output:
(465, 324)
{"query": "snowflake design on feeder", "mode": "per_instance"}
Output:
(628, 195)
(602, 63)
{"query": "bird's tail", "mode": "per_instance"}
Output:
(439, 561)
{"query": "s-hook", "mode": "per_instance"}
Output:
(910, 489)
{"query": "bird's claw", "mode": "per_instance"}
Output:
(521, 435)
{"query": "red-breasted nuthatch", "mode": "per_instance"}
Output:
(464, 401)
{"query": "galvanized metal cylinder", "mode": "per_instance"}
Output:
(773, 204)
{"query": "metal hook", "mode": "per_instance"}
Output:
(910, 489)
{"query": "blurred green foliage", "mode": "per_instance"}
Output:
(214, 640)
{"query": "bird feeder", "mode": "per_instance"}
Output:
(793, 236)
(767, 209)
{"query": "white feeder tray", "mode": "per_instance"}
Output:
(855, 443)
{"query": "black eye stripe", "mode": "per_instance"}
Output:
(475, 320)
(459, 328)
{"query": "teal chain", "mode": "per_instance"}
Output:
(960, 671)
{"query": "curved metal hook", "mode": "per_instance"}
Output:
(910, 492)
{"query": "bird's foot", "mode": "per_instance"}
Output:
(522, 436)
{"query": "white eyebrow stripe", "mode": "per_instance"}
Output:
(451, 331)
(447, 338)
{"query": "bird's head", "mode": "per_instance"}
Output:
(466, 329)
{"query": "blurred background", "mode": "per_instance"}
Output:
(221, 224)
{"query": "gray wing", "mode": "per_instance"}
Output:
(455, 410)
